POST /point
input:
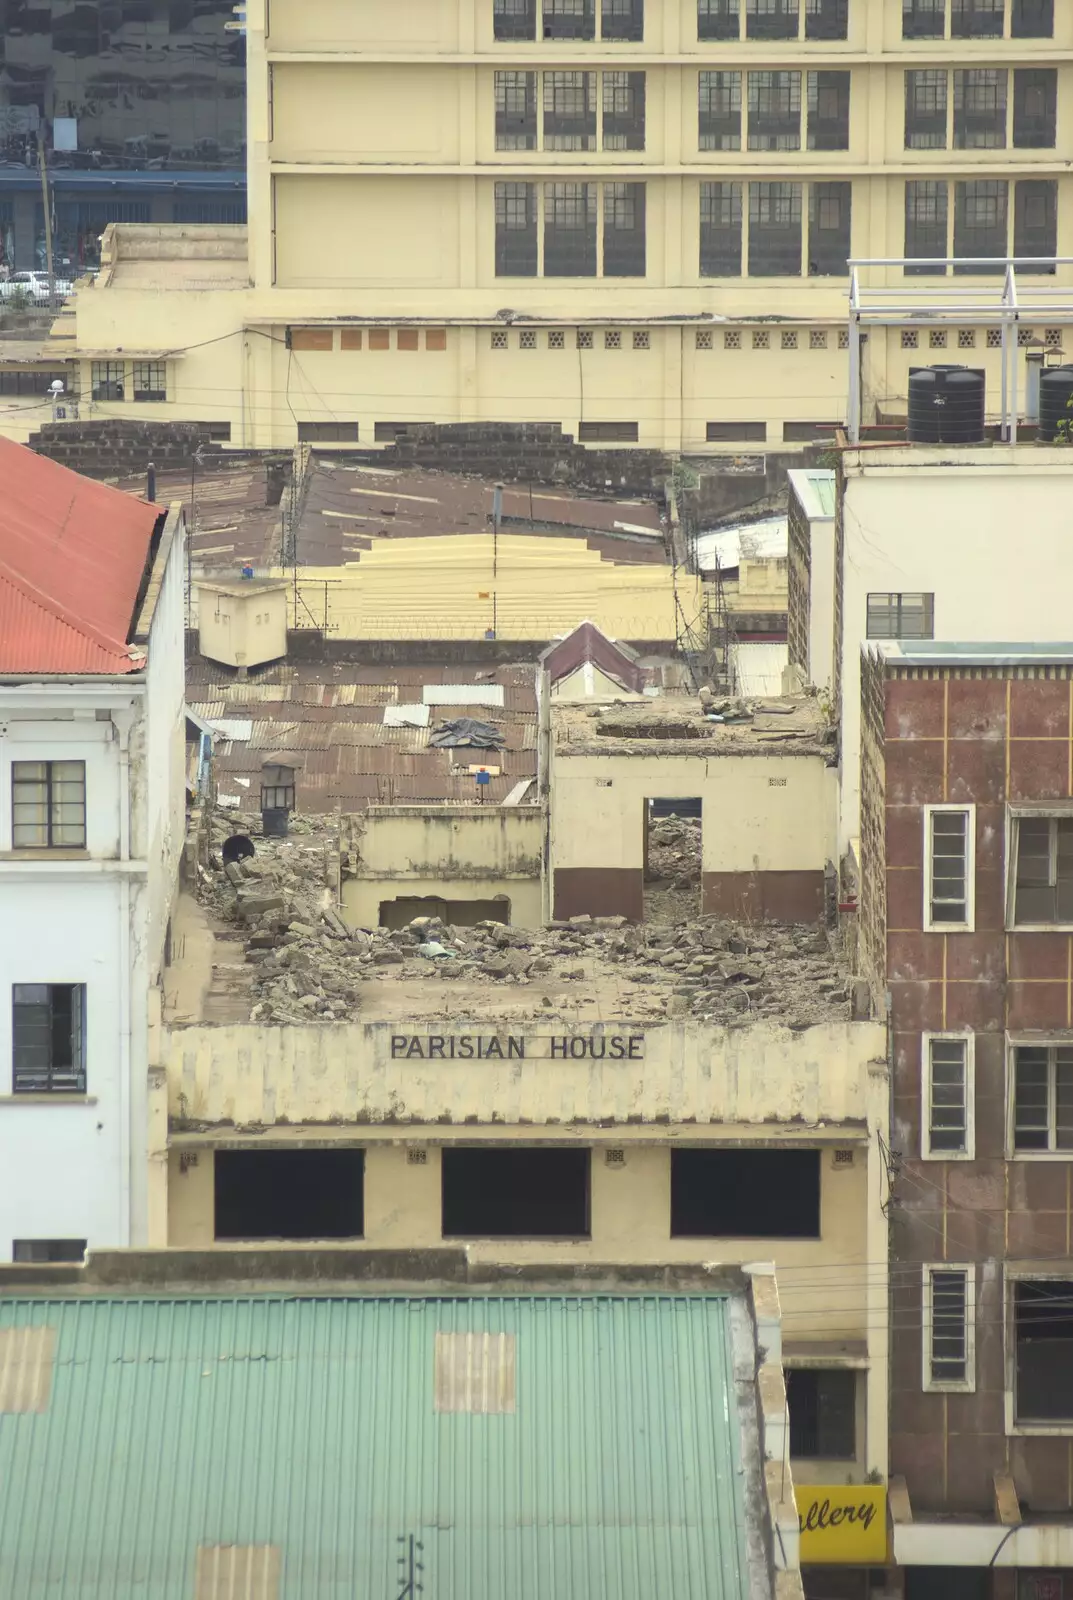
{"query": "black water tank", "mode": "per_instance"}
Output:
(1055, 394)
(946, 405)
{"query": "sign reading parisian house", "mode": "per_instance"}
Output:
(597, 1046)
(846, 1523)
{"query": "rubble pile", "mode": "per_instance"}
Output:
(674, 852)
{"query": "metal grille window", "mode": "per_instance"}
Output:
(923, 19)
(1032, 19)
(900, 616)
(623, 19)
(1043, 870)
(826, 19)
(1042, 1097)
(570, 230)
(150, 380)
(948, 1328)
(980, 222)
(48, 1038)
(976, 19)
(624, 111)
(774, 230)
(624, 230)
(823, 1414)
(516, 230)
(516, 118)
(720, 230)
(514, 19)
(107, 378)
(48, 805)
(718, 19)
(828, 110)
(1035, 108)
(829, 210)
(569, 19)
(947, 1120)
(1035, 221)
(570, 111)
(720, 111)
(925, 224)
(948, 866)
(925, 109)
(774, 111)
(980, 108)
(771, 19)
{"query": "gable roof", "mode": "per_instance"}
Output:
(72, 558)
(589, 643)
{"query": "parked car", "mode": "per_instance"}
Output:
(34, 285)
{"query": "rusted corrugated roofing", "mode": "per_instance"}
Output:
(72, 558)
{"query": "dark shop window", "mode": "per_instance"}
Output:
(719, 111)
(774, 230)
(624, 111)
(925, 225)
(774, 110)
(516, 116)
(980, 108)
(718, 19)
(1035, 108)
(40, 1251)
(49, 1038)
(570, 111)
(745, 1194)
(976, 19)
(516, 230)
(1043, 1335)
(923, 19)
(828, 110)
(925, 109)
(828, 229)
(720, 230)
(823, 1414)
(569, 19)
(771, 19)
(980, 222)
(826, 19)
(623, 19)
(515, 1194)
(1035, 221)
(290, 1194)
(328, 432)
(569, 230)
(514, 19)
(1032, 19)
(624, 230)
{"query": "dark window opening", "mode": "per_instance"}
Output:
(976, 19)
(570, 230)
(516, 230)
(1035, 108)
(771, 19)
(608, 432)
(624, 111)
(290, 1194)
(389, 432)
(1035, 222)
(925, 226)
(569, 19)
(980, 228)
(220, 431)
(923, 19)
(515, 1193)
(516, 116)
(720, 230)
(980, 108)
(1043, 1097)
(730, 432)
(720, 111)
(900, 616)
(745, 1194)
(44, 1250)
(48, 805)
(826, 19)
(1032, 19)
(399, 913)
(828, 110)
(35, 383)
(624, 230)
(774, 110)
(823, 1414)
(808, 432)
(829, 229)
(774, 230)
(328, 432)
(1043, 1334)
(623, 19)
(48, 1038)
(925, 109)
(1043, 888)
(515, 19)
(570, 111)
(718, 19)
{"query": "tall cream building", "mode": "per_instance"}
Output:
(628, 217)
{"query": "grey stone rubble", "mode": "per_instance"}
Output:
(674, 852)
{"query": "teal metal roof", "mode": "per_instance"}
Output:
(318, 1426)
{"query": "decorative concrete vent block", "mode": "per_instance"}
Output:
(474, 1372)
(27, 1356)
(237, 1572)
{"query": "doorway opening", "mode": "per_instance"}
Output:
(290, 1194)
(672, 860)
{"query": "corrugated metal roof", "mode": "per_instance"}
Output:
(311, 1427)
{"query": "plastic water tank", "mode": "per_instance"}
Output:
(1055, 394)
(946, 405)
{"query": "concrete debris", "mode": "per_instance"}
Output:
(674, 852)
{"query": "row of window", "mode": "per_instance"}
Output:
(570, 230)
(337, 431)
(981, 114)
(1040, 869)
(1040, 1099)
(135, 380)
(368, 339)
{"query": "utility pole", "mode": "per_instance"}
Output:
(497, 515)
(49, 263)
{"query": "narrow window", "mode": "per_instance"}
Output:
(608, 432)
(948, 1095)
(823, 1414)
(1042, 1097)
(948, 1328)
(624, 111)
(900, 616)
(45, 1250)
(980, 225)
(624, 230)
(720, 230)
(1035, 222)
(570, 230)
(569, 19)
(1043, 878)
(720, 111)
(150, 380)
(826, 19)
(48, 805)
(774, 230)
(925, 110)
(107, 379)
(570, 111)
(48, 1038)
(771, 19)
(514, 19)
(1043, 1342)
(516, 124)
(976, 19)
(948, 867)
(1035, 108)
(516, 230)
(522, 1193)
(828, 110)
(745, 1194)
(925, 227)
(774, 110)
(328, 432)
(718, 19)
(623, 19)
(731, 432)
(980, 108)
(828, 229)
(1032, 19)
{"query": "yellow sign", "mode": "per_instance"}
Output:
(843, 1524)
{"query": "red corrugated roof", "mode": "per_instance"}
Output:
(72, 555)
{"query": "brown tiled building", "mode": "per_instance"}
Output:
(966, 936)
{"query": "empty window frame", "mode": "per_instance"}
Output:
(774, 230)
(623, 19)
(947, 1122)
(1041, 849)
(624, 110)
(1035, 222)
(925, 109)
(48, 1038)
(718, 19)
(923, 19)
(900, 616)
(107, 380)
(527, 1193)
(719, 111)
(608, 432)
(516, 230)
(771, 19)
(290, 1194)
(745, 1194)
(949, 868)
(40, 1251)
(514, 19)
(829, 223)
(516, 114)
(328, 432)
(1041, 1098)
(828, 110)
(980, 108)
(1035, 108)
(826, 19)
(1042, 1317)
(624, 230)
(570, 111)
(774, 111)
(926, 226)
(823, 1414)
(150, 380)
(48, 805)
(569, 19)
(1032, 19)
(949, 1327)
(976, 19)
(980, 224)
(732, 432)
(720, 230)
(570, 230)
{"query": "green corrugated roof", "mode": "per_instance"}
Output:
(311, 1425)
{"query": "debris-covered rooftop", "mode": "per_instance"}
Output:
(700, 725)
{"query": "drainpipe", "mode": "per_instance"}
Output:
(121, 721)
(1033, 373)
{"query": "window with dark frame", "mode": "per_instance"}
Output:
(925, 109)
(829, 222)
(826, 19)
(624, 110)
(514, 19)
(1035, 108)
(948, 842)
(623, 19)
(150, 380)
(516, 230)
(774, 111)
(947, 1101)
(1043, 870)
(1035, 223)
(1042, 1097)
(900, 616)
(569, 19)
(718, 19)
(720, 230)
(774, 230)
(976, 19)
(48, 1038)
(1043, 1350)
(823, 1414)
(516, 112)
(923, 19)
(39, 1252)
(771, 19)
(980, 108)
(48, 805)
(107, 380)
(980, 223)
(624, 230)
(570, 111)
(926, 225)
(720, 111)
(570, 230)
(828, 110)
(1032, 19)
(948, 1333)
(740, 1193)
